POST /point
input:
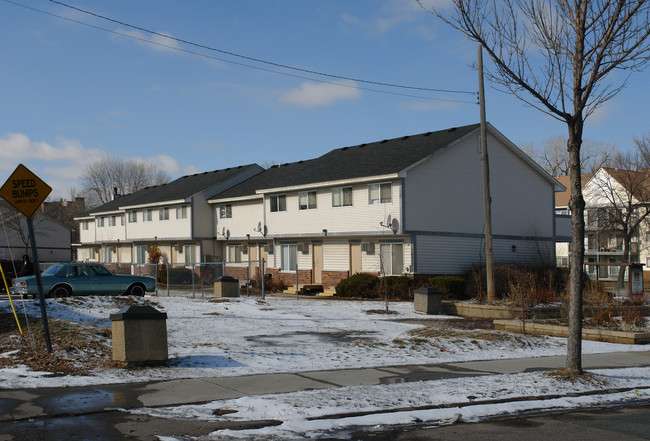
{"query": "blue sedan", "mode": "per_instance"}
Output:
(67, 279)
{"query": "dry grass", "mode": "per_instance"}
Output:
(77, 348)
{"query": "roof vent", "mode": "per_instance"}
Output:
(383, 141)
(452, 129)
(428, 133)
(404, 138)
(362, 145)
(344, 148)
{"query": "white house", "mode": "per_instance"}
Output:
(410, 205)
(614, 200)
(175, 217)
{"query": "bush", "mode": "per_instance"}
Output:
(273, 284)
(454, 286)
(398, 287)
(361, 285)
(633, 318)
(176, 275)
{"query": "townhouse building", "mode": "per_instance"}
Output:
(411, 205)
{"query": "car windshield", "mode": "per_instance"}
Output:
(52, 270)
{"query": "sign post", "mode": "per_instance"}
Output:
(26, 192)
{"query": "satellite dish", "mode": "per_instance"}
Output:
(259, 227)
(394, 225)
(223, 231)
(388, 221)
(227, 234)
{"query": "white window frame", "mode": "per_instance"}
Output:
(307, 200)
(84, 225)
(140, 254)
(277, 203)
(147, 215)
(234, 253)
(289, 257)
(111, 221)
(100, 222)
(132, 216)
(225, 211)
(190, 254)
(390, 259)
(181, 212)
(163, 213)
(338, 196)
(377, 193)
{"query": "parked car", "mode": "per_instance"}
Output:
(10, 268)
(67, 279)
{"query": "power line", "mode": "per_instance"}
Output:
(257, 60)
(179, 49)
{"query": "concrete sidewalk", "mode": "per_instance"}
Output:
(21, 404)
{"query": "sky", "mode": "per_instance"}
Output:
(75, 87)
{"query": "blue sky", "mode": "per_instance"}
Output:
(70, 93)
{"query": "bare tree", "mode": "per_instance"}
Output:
(16, 225)
(643, 148)
(557, 56)
(554, 156)
(101, 178)
(620, 204)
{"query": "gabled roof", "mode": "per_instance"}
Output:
(179, 189)
(636, 182)
(382, 158)
(562, 197)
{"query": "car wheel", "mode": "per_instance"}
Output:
(136, 290)
(60, 291)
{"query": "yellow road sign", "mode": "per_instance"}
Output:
(25, 191)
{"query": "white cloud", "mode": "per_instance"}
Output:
(322, 94)
(155, 42)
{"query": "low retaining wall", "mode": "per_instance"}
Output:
(495, 312)
(606, 335)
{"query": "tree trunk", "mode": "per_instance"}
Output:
(577, 204)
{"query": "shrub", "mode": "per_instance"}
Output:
(361, 285)
(454, 286)
(398, 287)
(273, 284)
(176, 275)
(604, 317)
(633, 318)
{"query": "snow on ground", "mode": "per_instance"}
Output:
(249, 336)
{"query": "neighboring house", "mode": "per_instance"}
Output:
(610, 195)
(174, 216)
(410, 205)
(52, 237)
(563, 218)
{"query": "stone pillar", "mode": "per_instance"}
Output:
(139, 335)
(427, 300)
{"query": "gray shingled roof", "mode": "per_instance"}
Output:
(374, 159)
(180, 188)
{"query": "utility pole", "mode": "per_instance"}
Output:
(489, 269)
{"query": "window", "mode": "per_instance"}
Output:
(92, 254)
(289, 257)
(146, 215)
(380, 194)
(163, 213)
(106, 254)
(342, 197)
(84, 225)
(190, 254)
(234, 253)
(133, 217)
(562, 262)
(391, 258)
(140, 254)
(278, 203)
(121, 219)
(307, 200)
(181, 212)
(100, 221)
(225, 211)
(111, 221)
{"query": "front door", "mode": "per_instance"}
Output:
(252, 261)
(355, 258)
(317, 263)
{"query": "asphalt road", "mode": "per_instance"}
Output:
(620, 423)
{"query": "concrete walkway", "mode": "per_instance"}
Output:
(21, 404)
